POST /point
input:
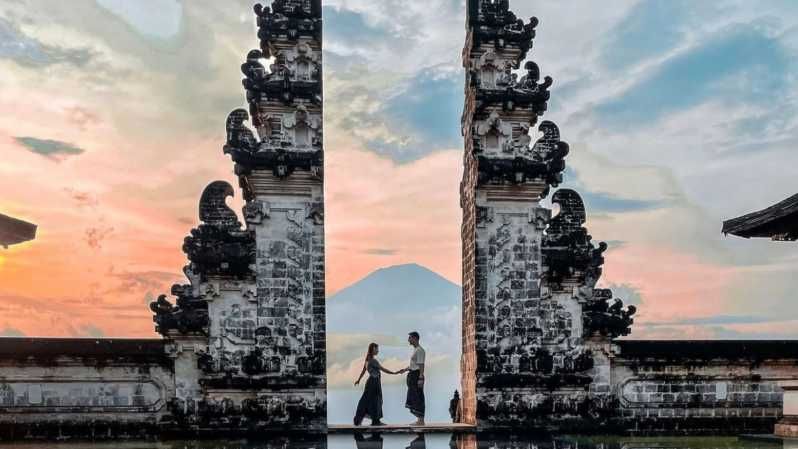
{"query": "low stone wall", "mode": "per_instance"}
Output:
(696, 387)
(90, 388)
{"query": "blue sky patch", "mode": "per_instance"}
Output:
(428, 110)
(651, 29)
(350, 27)
(604, 202)
(27, 51)
(741, 65)
(139, 15)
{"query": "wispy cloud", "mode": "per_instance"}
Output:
(49, 148)
(740, 64)
(27, 51)
(381, 251)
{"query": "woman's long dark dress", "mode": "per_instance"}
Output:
(370, 403)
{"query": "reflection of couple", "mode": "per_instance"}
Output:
(370, 403)
(374, 441)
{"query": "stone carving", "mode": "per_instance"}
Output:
(529, 84)
(305, 129)
(240, 138)
(296, 72)
(254, 76)
(189, 315)
(495, 80)
(290, 142)
(550, 150)
(490, 72)
(305, 63)
(568, 250)
(495, 134)
(506, 40)
(213, 209)
(255, 211)
(507, 159)
(493, 22)
(219, 246)
(287, 20)
(605, 317)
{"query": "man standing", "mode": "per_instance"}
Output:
(415, 379)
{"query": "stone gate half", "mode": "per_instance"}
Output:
(533, 324)
(248, 331)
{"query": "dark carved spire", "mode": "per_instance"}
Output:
(284, 99)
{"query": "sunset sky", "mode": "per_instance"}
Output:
(679, 114)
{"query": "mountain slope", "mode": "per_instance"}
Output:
(397, 295)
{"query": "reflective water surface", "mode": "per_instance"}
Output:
(428, 441)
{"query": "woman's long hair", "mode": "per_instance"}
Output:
(370, 352)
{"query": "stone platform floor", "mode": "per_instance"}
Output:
(402, 428)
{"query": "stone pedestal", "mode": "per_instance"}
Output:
(788, 425)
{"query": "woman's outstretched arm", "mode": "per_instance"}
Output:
(386, 370)
(363, 371)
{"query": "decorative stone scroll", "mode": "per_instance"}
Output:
(567, 248)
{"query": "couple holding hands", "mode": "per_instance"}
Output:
(370, 404)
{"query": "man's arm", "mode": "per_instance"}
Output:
(422, 360)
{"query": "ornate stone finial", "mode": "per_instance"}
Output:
(567, 248)
(213, 208)
(551, 151)
(219, 246)
(572, 214)
(240, 139)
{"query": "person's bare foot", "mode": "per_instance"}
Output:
(419, 422)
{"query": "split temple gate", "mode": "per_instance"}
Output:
(243, 347)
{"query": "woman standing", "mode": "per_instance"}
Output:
(370, 403)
